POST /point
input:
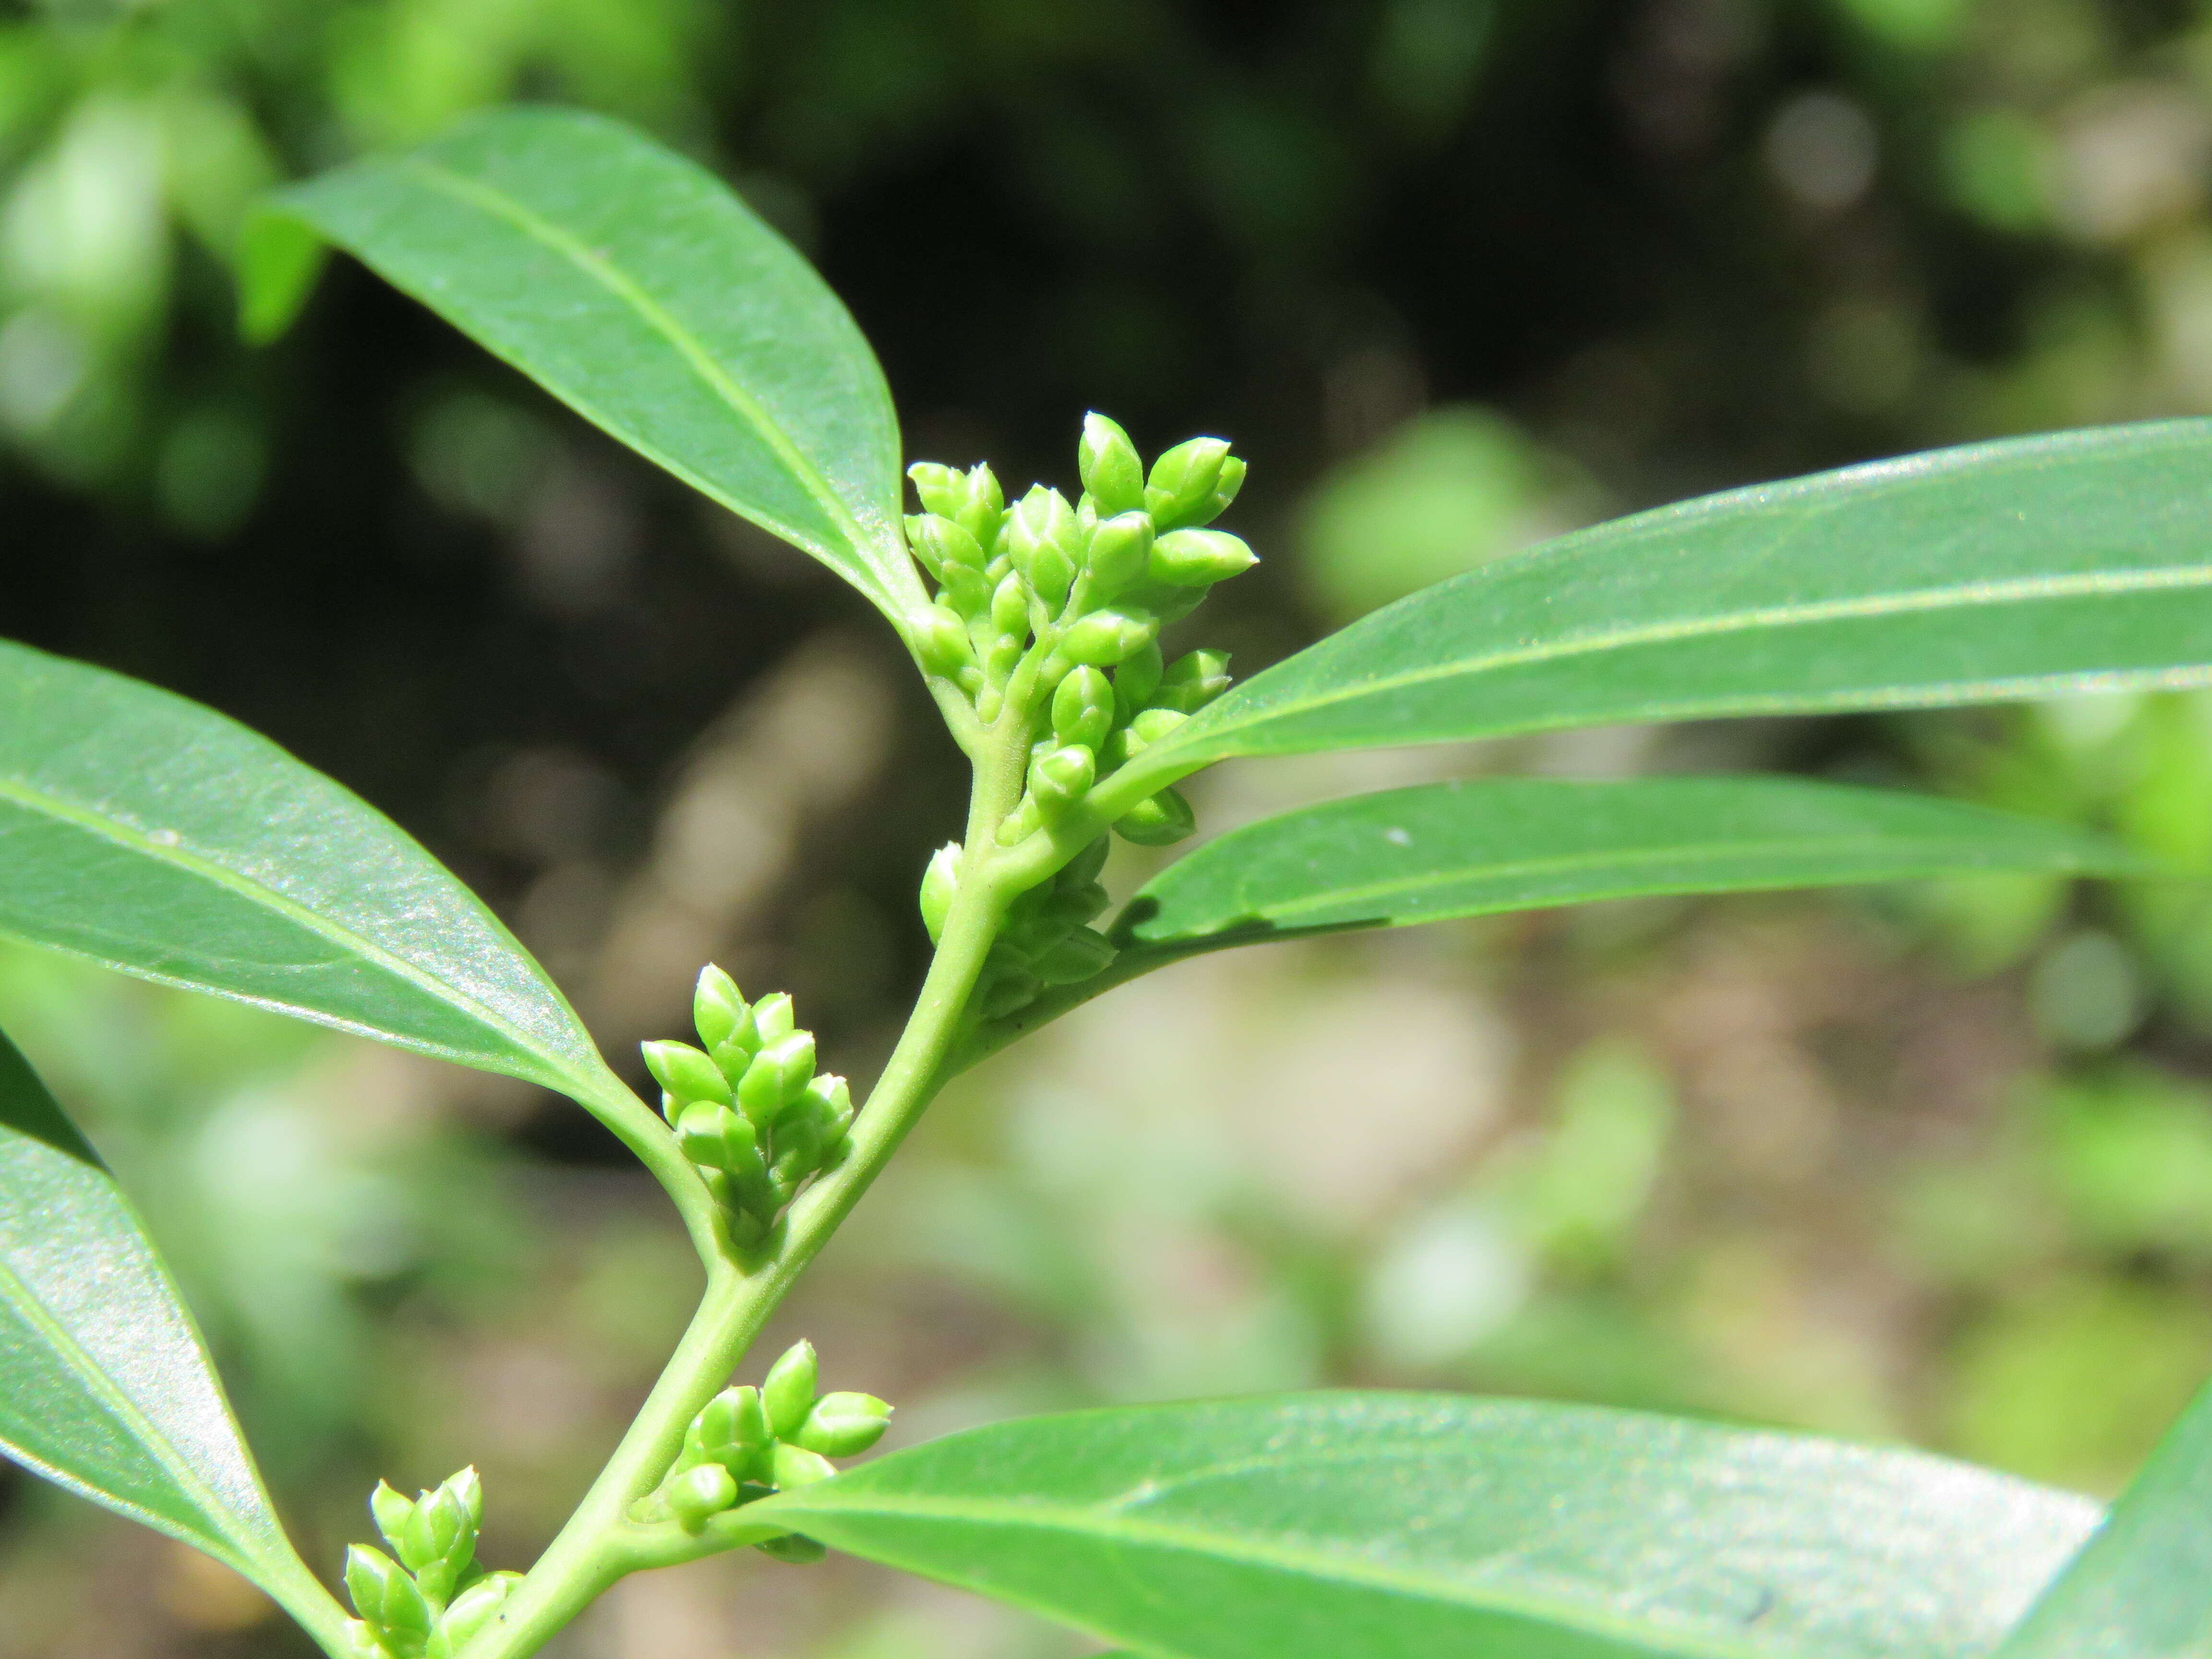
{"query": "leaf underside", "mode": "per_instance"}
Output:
(1410, 1526)
(147, 833)
(105, 1386)
(2074, 562)
(636, 288)
(1472, 848)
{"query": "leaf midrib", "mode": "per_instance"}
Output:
(2025, 590)
(180, 858)
(204, 1498)
(1306, 1562)
(1776, 847)
(687, 346)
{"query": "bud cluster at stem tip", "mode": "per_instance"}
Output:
(749, 1441)
(751, 1112)
(428, 1602)
(1077, 595)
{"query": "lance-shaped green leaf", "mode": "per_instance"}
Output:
(1485, 845)
(2078, 561)
(636, 288)
(104, 1385)
(1408, 1526)
(2141, 1588)
(146, 832)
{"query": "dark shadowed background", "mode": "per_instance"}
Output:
(1932, 1163)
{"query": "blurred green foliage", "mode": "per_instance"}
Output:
(1465, 273)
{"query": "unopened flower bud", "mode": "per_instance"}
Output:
(1082, 954)
(1010, 607)
(844, 1424)
(1009, 996)
(1199, 558)
(942, 543)
(385, 1596)
(471, 1610)
(828, 1102)
(792, 1549)
(718, 1007)
(1158, 820)
(1111, 470)
(732, 1426)
(699, 1495)
(390, 1511)
(1183, 481)
(788, 1392)
(795, 1466)
(1136, 679)
(940, 640)
(685, 1072)
(718, 1138)
(773, 1017)
(1020, 823)
(1082, 707)
(1082, 869)
(943, 489)
(966, 592)
(1118, 551)
(1153, 723)
(1045, 541)
(1057, 778)
(440, 1539)
(1192, 681)
(1225, 488)
(980, 514)
(1106, 637)
(775, 1078)
(939, 884)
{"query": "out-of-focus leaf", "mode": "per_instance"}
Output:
(1409, 1526)
(2076, 561)
(635, 287)
(148, 833)
(1468, 848)
(105, 1386)
(2141, 1588)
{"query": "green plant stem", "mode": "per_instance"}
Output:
(599, 1544)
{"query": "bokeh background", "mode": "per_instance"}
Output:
(1930, 1163)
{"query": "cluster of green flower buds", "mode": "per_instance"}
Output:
(429, 1601)
(1045, 938)
(748, 1107)
(1080, 593)
(749, 1441)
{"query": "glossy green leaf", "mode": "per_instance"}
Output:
(104, 1385)
(1399, 1525)
(635, 287)
(1485, 845)
(2078, 561)
(148, 833)
(2141, 1588)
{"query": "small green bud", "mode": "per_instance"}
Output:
(718, 1007)
(472, 1610)
(788, 1392)
(1082, 707)
(1118, 549)
(440, 1539)
(1010, 996)
(1225, 488)
(940, 640)
(1082, 954)
(1153, 723)
(386, 1597)
(732, 1426)
(1183, 481)
(941, 543)
(718, 1137)
(1136, 679)
(1020, 822)
(1057, 778)
(775, 1078)
(1158, 820)
(685, 1072)
(391, 1511)
(979, 515)
(699, 1495)
(1199, 558)
(1111, 470)
(1106, 637)
(1192, 681)
(968, 592)
(943, 489)
(1072, 907)
(1082, 871)
(828, 1102)
(938, 883)
(791, 1548)
(1046, 542)
(773, 1017)
(795, 1466)
(844, 1424)
(1010, 608)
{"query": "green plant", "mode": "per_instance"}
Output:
(153, 835)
